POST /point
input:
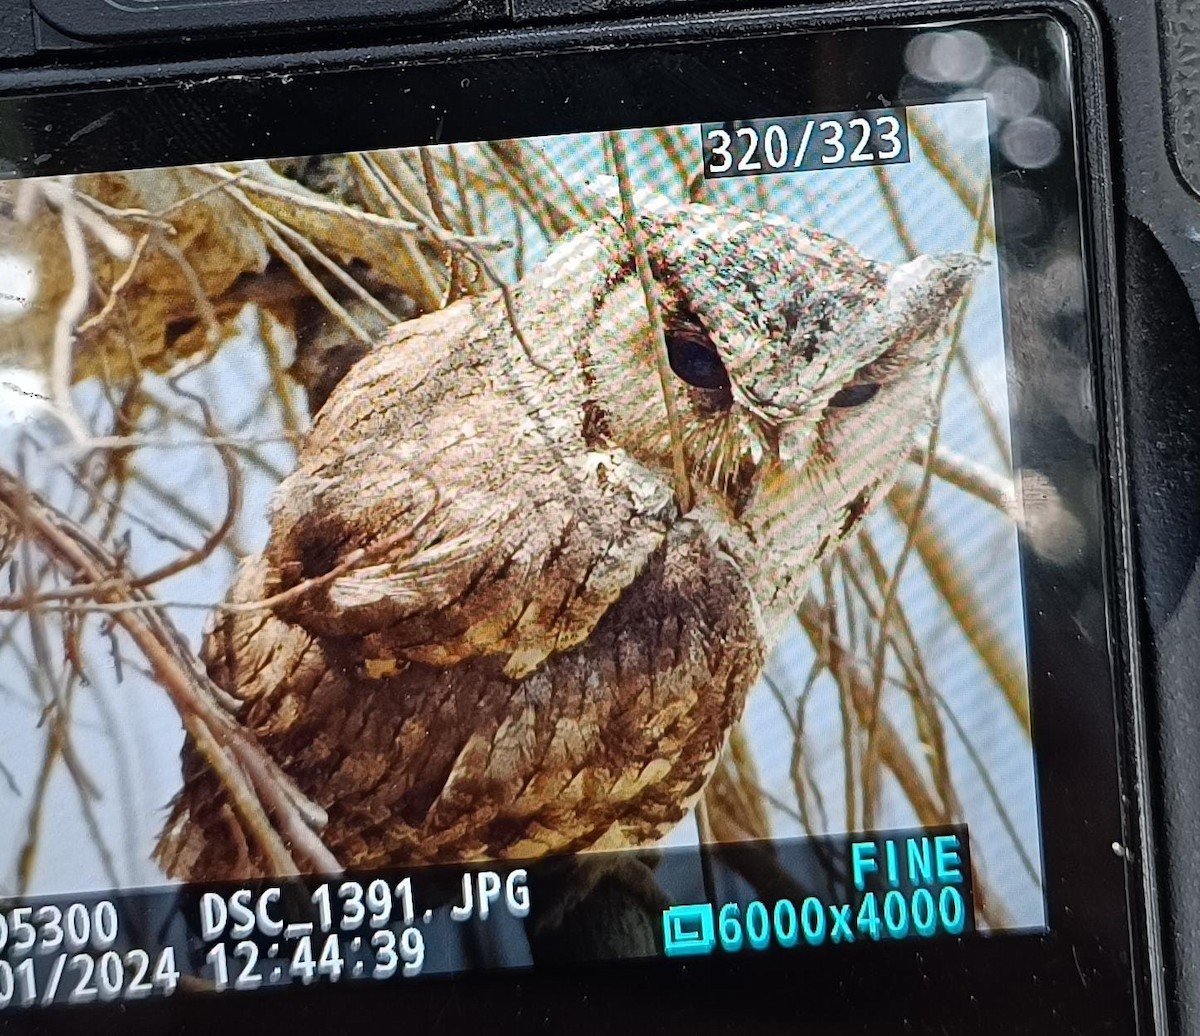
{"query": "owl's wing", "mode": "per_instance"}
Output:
(604, 745)
(490, 533)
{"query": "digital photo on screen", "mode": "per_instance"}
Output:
(601, 503)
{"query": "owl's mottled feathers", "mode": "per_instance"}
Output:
(539, 652)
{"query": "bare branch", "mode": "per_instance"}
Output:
(70, 314)
(456, 289)
(968, 475)
(972, 618)
(892, 751)
(261, 794)
(506, 292)
(256, 185)
(616, 152)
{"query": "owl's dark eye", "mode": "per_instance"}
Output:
(855, 395)
(693, 357)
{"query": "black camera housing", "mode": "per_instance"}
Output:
(1148, 86)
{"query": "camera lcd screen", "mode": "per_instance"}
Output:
(536, 551)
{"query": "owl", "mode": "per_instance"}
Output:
(508, 636)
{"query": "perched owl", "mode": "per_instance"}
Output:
(540, 651)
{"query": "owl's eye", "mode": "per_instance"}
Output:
(855, 394)
(693, 357)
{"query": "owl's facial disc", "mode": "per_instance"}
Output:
(783, 342)
(851, 356)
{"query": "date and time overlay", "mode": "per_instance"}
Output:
(394, 927)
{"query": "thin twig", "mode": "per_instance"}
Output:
(118, 286)
(995, 430)
(942, 158)
(918, 688)
(551, 221)
(433, 190)
(892, 751)
(27, 855)
(330, 208)
(989, 786)
(892, 203)
(460, 189)
(704, 833)
(658, 338)
(7, 776)
(481, 260)
(281, 387)
(423, 281)
(947, 574)
(70, 313)
(335, 269)
(208, 313)
(193, 557)
(318, 290)
(61, 192)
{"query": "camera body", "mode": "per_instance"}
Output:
(1143, 159)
